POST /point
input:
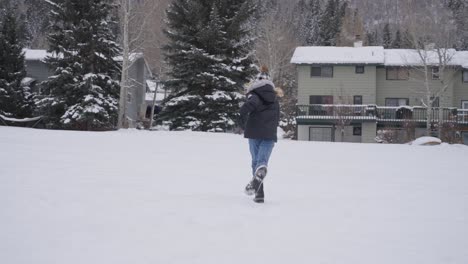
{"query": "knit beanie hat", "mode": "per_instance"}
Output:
(263, 75)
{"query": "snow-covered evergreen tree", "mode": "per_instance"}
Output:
(331, 21)
(406, 40)
(210, 51)
(83, 93)
(306, 21)
(312, 23)
(36, 23)
(387, 37)
(459, 10)
(15, 99)
(397, 42)
(371, 38)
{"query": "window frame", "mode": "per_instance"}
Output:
(320, 67)
(398, 70)
(356, 129)
(465, 76)
(354, 99)
(316, 67)
(395, 98)
(436, 102)
(321, 97)
(464, 102)
(359, 67)
(129, 97)
(435, 75)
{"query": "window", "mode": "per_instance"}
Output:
(315, 71)
(396, 101)
(321, 99)
(321, 71)
(435, 73)
(463, 116)
(360, 69)
(129, 97)
(464, 104)
(357, 100)
(465, 76)
(436, 102)
(357, 131)
(397, 73)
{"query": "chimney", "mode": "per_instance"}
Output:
(358, 41)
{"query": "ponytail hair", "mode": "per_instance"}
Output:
(279, 92)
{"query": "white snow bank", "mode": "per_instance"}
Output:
(177, 197)
(426, 141)
(27, 81)
(280, 133)
(20, 120)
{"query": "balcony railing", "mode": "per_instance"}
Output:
(380, 113)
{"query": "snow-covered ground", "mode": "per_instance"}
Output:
(176, 197)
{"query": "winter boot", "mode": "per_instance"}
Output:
(259, 195)
(249, 188)
(257, 184)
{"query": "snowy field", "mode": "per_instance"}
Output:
(138, 197)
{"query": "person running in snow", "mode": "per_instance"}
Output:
(259, 118)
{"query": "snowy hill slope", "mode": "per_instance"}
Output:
(176, 197)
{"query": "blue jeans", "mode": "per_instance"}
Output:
(260, 149)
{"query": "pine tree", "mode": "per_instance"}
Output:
(300, 19)
(331, 21)
(210, 51)
(387, 37)
(371, 38)
(397, 42)
(36, 23)
(83, 93)
(459, 10)
(312, 24)
(406, 42)
(351, 28)
(15, 99)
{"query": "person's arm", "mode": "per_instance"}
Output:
(278, 113)
(251, 105)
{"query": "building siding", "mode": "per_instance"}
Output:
(38, 70)
(369, 132)
(348, 135)
(344, 82)
(460, 90)
(413, 89)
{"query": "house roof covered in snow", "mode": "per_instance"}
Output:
(32, 55)
(40, 55)
(411, 57)
(373, 55)
(462, 59)
(338, 55)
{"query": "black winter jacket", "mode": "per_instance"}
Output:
(260, 114)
